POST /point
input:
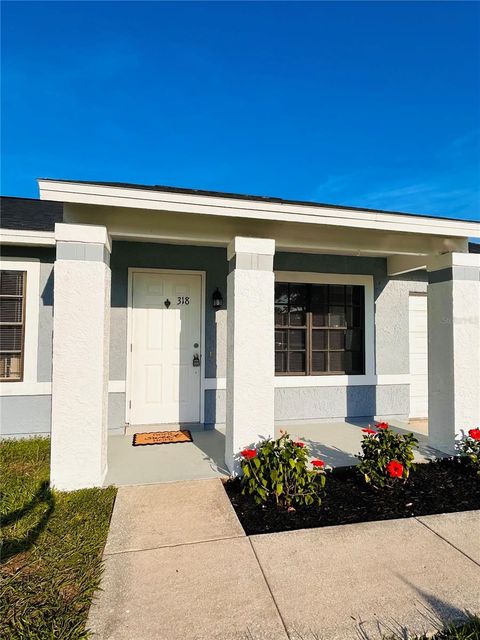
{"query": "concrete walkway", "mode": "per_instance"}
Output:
(178, 566)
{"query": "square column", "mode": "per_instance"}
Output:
(250, 345)
(453, 347)
(81, 333)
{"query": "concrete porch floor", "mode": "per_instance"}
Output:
(335, 442)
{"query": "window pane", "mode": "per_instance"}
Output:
(336, 359)
(280, 340)
(354, 317)
(319, 361)
(281, 314)
(319, 339)
(320, 316)
(11, 309)
(296, 339)
(298, 295)
(297, 317)
(354, 340)
(353, 362)
(337, 317)
(336, 340)
(11, 283)
(296, 361)
(281, 293)
(10, 366)
(336, 295)
(349, 294)
(358, 295)
(319, 295)
(11, 338)
(280, 361)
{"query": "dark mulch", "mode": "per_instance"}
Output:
(442, 486)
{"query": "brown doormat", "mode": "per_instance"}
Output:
(161, 437)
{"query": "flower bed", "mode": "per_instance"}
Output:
(438, 487)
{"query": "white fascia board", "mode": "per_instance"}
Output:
(21, 237)
(232, 207)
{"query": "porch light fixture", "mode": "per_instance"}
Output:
(217, 299)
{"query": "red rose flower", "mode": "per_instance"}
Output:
(395, 469)
(318, 463)
(249, 453)
(300, 444)
(369, 431)
(474, 433)
(382, 425)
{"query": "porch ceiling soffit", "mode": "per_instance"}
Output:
(190, 228)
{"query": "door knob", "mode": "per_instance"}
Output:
(196, 360)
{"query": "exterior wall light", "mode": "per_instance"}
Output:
(217, 299)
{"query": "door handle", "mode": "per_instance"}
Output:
(196, 360)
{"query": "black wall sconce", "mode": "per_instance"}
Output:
(217, 299)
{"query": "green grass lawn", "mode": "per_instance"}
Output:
(52, 547)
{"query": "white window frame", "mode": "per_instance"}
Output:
(306, 277)
(32, 314)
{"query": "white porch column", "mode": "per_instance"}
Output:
(250, 345)
(453, 347)
(81, 330)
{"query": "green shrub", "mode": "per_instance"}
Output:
(469, 447)
(386, 456)
(279, 470)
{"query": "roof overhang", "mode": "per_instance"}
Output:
(231, 207)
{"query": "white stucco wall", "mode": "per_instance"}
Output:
(454, 349)
(250, 346)
(80, 374)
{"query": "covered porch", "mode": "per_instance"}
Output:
(244, 246)
(337, 443)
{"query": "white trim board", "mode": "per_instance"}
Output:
(289, 382)
(27, 238)
(120, 196)
(203, 277)
(45, 388)
(32, 311)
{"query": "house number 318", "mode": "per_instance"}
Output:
(183, 300)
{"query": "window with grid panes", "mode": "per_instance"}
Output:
(12, 324)
(319, 329)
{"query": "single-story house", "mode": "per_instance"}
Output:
(125, 304)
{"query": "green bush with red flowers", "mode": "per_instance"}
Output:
(279, 470)
(387, 456)
(469, 447)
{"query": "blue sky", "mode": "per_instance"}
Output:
(368, 104)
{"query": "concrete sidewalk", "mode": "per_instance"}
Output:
(178, 566)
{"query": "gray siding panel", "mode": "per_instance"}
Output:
(213, 260)
(215, 406)
(116, 411)
(310, 403)
(25, 415)
(45, 328)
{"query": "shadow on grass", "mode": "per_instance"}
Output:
(12, 546)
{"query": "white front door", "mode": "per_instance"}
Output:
(165, 346)
(418, 356)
